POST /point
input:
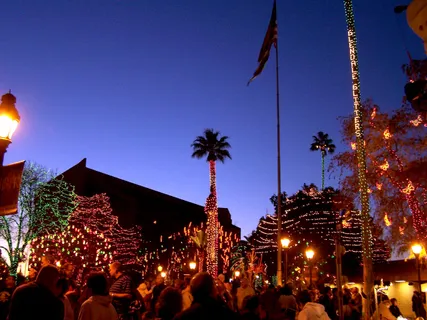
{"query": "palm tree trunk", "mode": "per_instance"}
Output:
(201, 259)
(211, 210)
(361, 161)
(323, 171)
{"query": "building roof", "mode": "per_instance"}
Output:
(394, 270)
(157, 213)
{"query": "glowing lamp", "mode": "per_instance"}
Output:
(416, 15)
(416, 249)
(285, 242)
(9, 120)
(192, 265)
(309, 253)
(237, 273)
(159, 268)
(163, 274)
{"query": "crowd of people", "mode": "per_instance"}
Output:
(51, 293)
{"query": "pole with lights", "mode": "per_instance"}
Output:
(361, 158)
(416, 249)
(309, 253)
(285, 245)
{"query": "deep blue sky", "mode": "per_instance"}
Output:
(129, 84)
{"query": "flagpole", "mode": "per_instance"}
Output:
(279, 179)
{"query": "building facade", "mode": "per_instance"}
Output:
(157, 213)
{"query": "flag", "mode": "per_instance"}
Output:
(269, 39)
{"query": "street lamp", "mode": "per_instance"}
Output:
(416, 249)
(285, 245)
(159, 268)
(309, 253)
(9, 120)
(163, 274)
(192, 265)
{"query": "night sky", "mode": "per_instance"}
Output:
(129, 84)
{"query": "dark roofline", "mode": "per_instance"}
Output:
(83, 164)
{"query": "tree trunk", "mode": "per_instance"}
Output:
(201, 260)
(361, 160)
(323, 171)
(211, 209)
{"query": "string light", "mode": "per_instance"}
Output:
(92, 239)
(310, 219)
(360, 141)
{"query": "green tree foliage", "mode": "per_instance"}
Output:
(396, 148)
(44, 205)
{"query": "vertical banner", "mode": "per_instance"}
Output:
(10, 185)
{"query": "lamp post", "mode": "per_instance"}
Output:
(416, 249)
(9, 120)
(285, 245)
(309, 253)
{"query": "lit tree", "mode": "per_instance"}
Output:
(368, 280)
(214, 148)
(187, 245)
(325, 145)
(396, 147)
(309, 218)
(92, 239)
(44, 205)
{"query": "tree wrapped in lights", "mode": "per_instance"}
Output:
(92, 239)
(360, 156)
(214, 148)
(396, 155)
(45, 204)
(178, 249)
(309, 218)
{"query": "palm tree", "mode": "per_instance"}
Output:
(200, 242)
(361, 159)
(323, 143)
(214, 148)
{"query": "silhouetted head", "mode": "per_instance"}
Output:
(202, 286)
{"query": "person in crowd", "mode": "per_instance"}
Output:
(121, 291)
(143, 290)
(205, 305)
(394, 309)
(6, 296)
(68, 309)
(187, 298)
(47, 260)
(242, 292)
(157, 290)
(418, 305)
(356, 303)
(310, 310)
(39, 299)
(32, 274)
(327, 301)
(169, 304)
(287, 302)
(251, 308)
(98, 306)
(269, 300)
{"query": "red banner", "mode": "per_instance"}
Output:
(10, 185)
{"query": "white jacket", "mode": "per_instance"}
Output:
(98, 308)
(313, 311)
